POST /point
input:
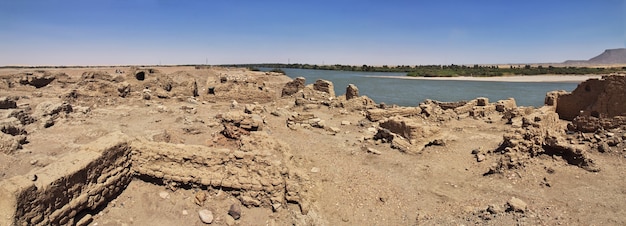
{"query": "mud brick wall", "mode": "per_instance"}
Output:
(67, 189)
(256, 177)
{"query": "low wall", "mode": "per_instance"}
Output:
(65, 190)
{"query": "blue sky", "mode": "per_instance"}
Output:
(112, 32)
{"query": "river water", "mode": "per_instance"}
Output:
(409, 92)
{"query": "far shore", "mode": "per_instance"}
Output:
(519, 78)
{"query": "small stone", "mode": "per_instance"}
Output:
(517, 205)
(315, 170)
(33, 177)
(372, 130)
(206, 216)
(185, 212)
(494, 209)
(373, 151)
(33, 162)
(276, 207)
(235, 211)
(234, 104)
(604, 147)
(164, 195)
(229, 221)
(609, 134)
(345, 123)
(200, 198)
(334, 129)
(480, 157)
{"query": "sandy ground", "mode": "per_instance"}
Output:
(531, 78)
(441, 185)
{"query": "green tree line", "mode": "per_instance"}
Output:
(448, 70)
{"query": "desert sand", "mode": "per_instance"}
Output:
(188, 146)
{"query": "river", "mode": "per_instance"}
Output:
(407, 92)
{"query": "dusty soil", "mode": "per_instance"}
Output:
(353, 179)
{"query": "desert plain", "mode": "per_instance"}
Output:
(227, 146)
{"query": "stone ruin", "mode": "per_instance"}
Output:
(70, 190)
(596, 106)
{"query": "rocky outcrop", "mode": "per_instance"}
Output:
(39, 80)
(293, 87)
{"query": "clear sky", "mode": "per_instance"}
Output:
(112, 32)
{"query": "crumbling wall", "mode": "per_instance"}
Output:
(63, 192)
(541, 133)
(257, 173)
(594, 97)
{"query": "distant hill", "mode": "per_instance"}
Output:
(609, 56)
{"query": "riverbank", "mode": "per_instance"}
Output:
(519, 78)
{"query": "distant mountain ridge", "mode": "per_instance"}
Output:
(609, 56)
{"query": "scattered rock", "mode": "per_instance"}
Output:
(7, 103)
(517, 205)
(345, 123)
(85, 220)
(235, 211)
(480, 157)
(603, 147)
(200, 198)
(164, 195)
(185, 212)
(334, 129)
(229, 220)
(373, 151)
(315, 170)
(206, 216)
(494, 209)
